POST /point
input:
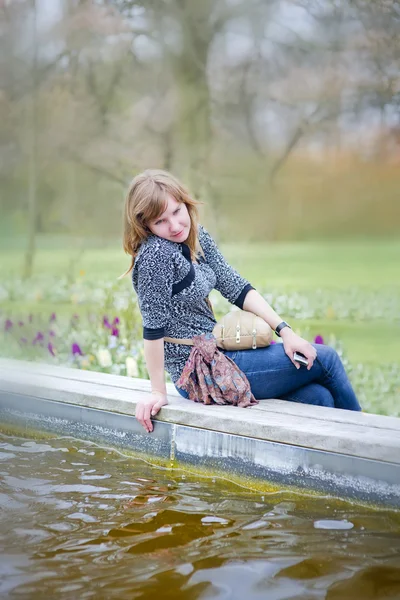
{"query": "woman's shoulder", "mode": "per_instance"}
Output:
(205, 239)
(154, 254)
(202, 234)
(155, 247)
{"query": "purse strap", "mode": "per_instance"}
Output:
(185, 341)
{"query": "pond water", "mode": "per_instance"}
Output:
(81, 521)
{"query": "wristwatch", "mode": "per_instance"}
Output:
(280, 327)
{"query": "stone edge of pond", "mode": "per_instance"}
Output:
(347, 455)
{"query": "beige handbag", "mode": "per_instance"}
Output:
(242, 330)
(237, 330)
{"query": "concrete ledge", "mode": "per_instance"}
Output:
(340, 452)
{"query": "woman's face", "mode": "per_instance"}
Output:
(174, 223)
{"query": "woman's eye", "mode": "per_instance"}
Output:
(177, 210)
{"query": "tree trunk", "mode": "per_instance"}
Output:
(32, 160)
(193, 134)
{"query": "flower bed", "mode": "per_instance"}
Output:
(106, 335)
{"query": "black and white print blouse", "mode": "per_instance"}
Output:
(172, 292)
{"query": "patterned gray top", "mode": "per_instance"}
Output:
(172, 292)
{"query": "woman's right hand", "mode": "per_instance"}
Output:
(149, 408)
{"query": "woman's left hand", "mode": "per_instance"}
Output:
(294, 343)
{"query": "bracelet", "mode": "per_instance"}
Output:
(279, 327)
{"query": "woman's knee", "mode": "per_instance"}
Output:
(328, 357)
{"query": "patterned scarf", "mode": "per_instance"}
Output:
(211, 377)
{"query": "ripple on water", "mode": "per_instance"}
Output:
(149, 530)
(6, 455)
(61, 527)
(93, 477)
(213, 519)
(33, 447)
(256, 525)
(332, 524)
(81, 516)
(8, 503)
(32, 536)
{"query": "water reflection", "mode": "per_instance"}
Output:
(115, 527)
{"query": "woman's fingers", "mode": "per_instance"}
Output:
(290, 354)
(146, 410)
(306, 350)
(296, 364)
(311, 354)
(157, 407)
(142, 414)
(146, 418)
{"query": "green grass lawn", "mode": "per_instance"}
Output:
(286, 265)
(289, 266)
(331, 265)
(334, 267)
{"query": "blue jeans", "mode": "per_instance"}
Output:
(271, 374)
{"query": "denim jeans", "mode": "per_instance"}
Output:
(271, 374)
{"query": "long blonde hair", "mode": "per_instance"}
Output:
(146, 200)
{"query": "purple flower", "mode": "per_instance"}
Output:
(115, 331)
(52, 317)
(318, 339)
(273, 342)
(116, 321)
(38, 338)
(50, 348)
(52, 333)
(106, 323)
(21, 323)
(23, 340)
(8, 325)
(75, 349)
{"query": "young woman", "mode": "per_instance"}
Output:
(175, 265)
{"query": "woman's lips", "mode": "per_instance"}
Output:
(178, 234)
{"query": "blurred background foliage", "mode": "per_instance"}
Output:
(282, 116)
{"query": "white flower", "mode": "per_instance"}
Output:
(104, 357)
(112, 341)
(131, 367)
(121, 302)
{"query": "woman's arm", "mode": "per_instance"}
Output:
(292, 342)
(256, 304)
(154, 273)
(154, 356)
